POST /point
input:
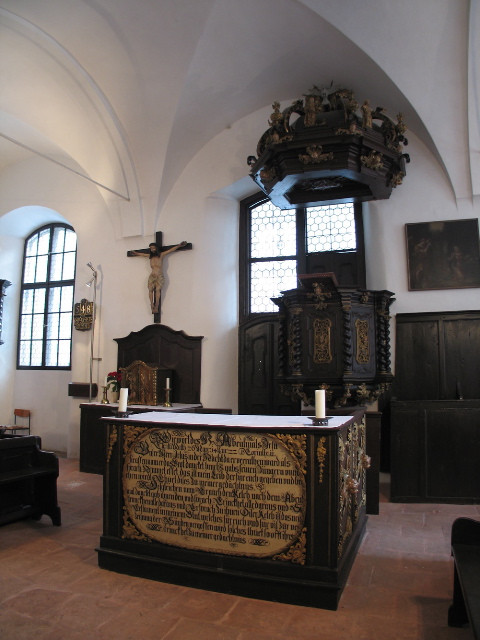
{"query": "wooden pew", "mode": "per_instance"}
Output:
(465, 607)
(28, 480)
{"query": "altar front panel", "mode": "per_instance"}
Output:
(272, 509)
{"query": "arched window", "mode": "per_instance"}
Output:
(46, 302)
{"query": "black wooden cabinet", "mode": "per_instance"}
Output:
(435, 451)
(435, 415)
(437, 356)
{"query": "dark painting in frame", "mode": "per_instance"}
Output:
(443, 254)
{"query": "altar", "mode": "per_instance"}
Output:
(269, 507)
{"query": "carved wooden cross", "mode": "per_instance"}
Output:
(155, 281)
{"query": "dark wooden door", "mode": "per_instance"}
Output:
(259, 391)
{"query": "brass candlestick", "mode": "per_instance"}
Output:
(105, 399)
(167, 398)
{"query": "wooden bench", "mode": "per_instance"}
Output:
(28, 480)
(465, 607)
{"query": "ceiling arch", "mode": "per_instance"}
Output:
(125, 93)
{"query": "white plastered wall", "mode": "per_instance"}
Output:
(201, 291)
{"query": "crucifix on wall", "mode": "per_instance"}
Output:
(156, 252)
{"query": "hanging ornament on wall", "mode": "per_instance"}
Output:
(83, 315)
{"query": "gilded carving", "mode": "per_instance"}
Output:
(130, 433)
(363, 393)
(295, 391)
(296, 445)
(353, 462)
(373, 161)
(322, 351)
(321, 455)
(397, 179)
(142, 381)
(347, 393)
(297, 552)
(130, 531)
(345, 525)
(314, 155)
(363, 347)
(351, 131)
(320, 295)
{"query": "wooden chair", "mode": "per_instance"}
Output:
(24, 425)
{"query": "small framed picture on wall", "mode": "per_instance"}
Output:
(443, 254)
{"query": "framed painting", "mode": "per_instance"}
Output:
(443, 255)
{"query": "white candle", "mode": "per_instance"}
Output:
(320, 403)
(122, 401)
(167, 383)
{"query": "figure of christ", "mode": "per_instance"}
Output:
(156, 278)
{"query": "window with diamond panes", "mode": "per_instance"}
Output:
(46, 306)
(276, 246)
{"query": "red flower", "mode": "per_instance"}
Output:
(113, 379)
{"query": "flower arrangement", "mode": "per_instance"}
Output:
(114, 379)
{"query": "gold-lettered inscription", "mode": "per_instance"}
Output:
(223, 492)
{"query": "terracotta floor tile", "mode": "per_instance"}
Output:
(200, 605)
(51, 587)
(188, 629)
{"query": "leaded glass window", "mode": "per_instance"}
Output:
(46, 305)
(331, 228)
(277, 245)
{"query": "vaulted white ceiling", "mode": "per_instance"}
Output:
(125, 92)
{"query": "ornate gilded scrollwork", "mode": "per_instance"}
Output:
(314, 155)
(353, 462)
(130, 531)
(374, 160)
(130, 433)
(363, 347)
(351, 485)
(296, 445)
(347, 393)
(297, 552)
(345, 525)
(396, 179)
(322, 338)
(320, 295)
(294, 342)
(321, 455)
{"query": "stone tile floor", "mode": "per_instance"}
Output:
(51, 588)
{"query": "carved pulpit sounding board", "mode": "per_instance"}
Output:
(156, 252)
